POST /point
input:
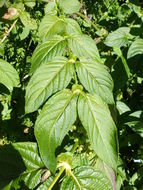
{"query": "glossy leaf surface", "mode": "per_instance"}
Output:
(72, 27)
(50, 25)
(135, 48)
(83, 46)
(8, 75)
(20, 162)
(48, 79)
(104, 168)
(119, 37)
(29, 154)
(96, 79)
(55, 46)
(69, 6)
(85, 177)
(53, 123)
(32, 162)
(96, 119)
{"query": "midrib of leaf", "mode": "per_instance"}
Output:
(50, 28)
(75, 179)
(49, 49)
(71, 26)
(67, 103)
(30, 171)
(83, 47)
(50, 80)
(33, 164)
(97, 126)
(92, 76)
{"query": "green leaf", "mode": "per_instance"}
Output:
(24, 33)
(32, 179)
(14, 184)
(20, 162)
(27, 21)
(69, 158)
(136, 48)
(66, 157)
(69, 6)
(8, 75)
(29, 154)
(48, 79)
(135, 122)
(30, 4)
(95, 78)
(51, 8)
(1, 49)
(46, 184)
(51, 25)
(85, 177)
(11, 163)
(2, 3)
(83, 46)
(119, 37)
(53, 123)
(105, 169)
(122, 107)
(33, 163)
(96, 119)
(55, 46)
(118, 51)
(72, 27)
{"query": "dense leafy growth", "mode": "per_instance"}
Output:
(71, 80)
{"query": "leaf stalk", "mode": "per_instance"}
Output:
(8, 32)
(56, 178)
(85, 18)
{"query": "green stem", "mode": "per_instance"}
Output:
(127, 69)
(119, 53)
(63, 168)
(85, 18)
(8, 32)
(74, 146)
(56, 178)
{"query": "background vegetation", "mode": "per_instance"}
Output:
(116, 26)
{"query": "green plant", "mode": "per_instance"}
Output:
(71, 106)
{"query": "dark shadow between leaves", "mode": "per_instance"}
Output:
(119, 75)
(11, 164)
(3, 89)
(133, 120)
(129, 117)
(14, 127)
(18, 101)
(1, 108)
(136, 65)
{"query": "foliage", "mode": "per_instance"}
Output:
(71, 80)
